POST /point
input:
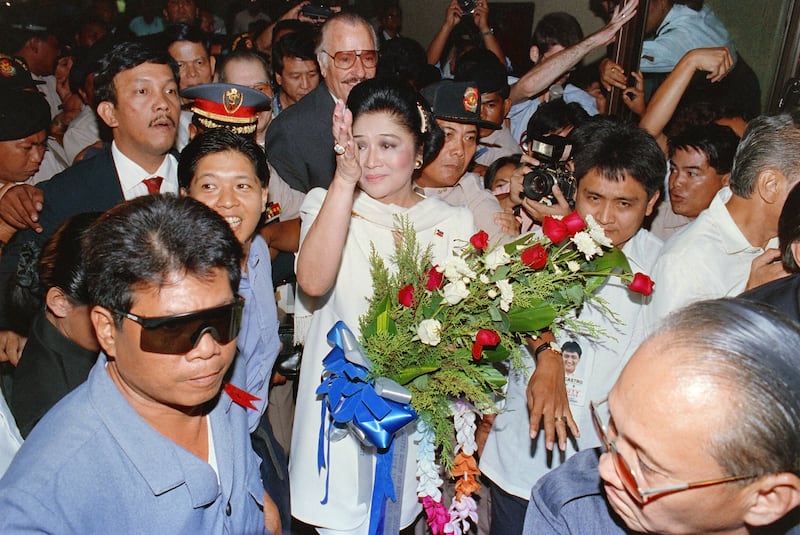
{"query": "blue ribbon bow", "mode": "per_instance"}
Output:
(373, 411)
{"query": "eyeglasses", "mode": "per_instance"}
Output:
(344, 59)
(179, 334)
(627, 475)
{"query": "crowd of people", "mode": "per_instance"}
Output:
(180, 189)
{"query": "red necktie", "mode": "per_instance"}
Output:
(153, 184)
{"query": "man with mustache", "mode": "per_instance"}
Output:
(299, 141)
(136, 90)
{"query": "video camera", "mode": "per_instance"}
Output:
(553, 152)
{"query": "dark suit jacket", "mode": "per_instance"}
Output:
(88, 186)
(51, 367)
(299, 142)
(783, 294)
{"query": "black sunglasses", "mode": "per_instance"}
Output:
(178, 334)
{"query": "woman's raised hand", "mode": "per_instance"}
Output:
(348, 167)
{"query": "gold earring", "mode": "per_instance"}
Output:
(418, 164)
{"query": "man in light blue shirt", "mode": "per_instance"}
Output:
(151, 443)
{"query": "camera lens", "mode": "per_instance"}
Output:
(538, 184)
(468, 6)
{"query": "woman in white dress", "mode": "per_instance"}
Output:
(383, 136)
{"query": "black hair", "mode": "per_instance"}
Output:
(293, 45)
(218, 140)
(557, 28)
(146, 240)
(407, 106)
(479, 65)
(554, 115)
(789, 228)
(403, 58)
(124, 56)
(717, 142)
(495, 166)
(59, 264)
(184, 32)
(291, 25)
(572, 347)
(615, 149)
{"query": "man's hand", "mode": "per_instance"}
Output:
(717, 62)
(538, 210)
(612, 75)
(481, 16)
(20, 206)
(620, 16)
(633, 97)
(11, 346)
(453, 14)
(547, 398)
(765, 268)
(272, 518)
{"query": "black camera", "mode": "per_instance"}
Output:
(468, 6)
(553, 152)
(318, 13)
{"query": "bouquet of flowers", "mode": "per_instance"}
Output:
(443, 331)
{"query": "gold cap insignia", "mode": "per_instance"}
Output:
(232, 100)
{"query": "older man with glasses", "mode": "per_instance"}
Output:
(700, 434)
(300, 141)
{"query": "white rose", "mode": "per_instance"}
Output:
(455, 291)
(498, 257)
(429, 332)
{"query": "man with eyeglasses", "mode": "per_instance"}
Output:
(300, 144)
(156, 440)
(700, 434)
(619, 169)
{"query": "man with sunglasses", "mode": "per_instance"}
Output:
(700, 434)
(156, 440)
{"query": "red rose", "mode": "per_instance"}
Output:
(484, 337)
(574, 223)
(554, 229)
(435, 279)
(534, 257)
(480, 240)
(406, 295)
(642, 284)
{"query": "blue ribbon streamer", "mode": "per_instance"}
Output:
(349, 395)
